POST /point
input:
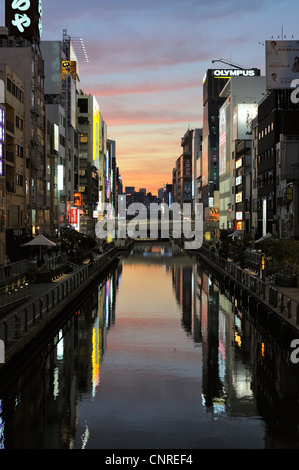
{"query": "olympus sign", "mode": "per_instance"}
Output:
(234, 73)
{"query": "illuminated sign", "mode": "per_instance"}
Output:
(60, 177)
(96, 130)
(239, 226)
(239, 197)
(238, 180)
(74, 216)
(68, 69)
(239, 163)
(239, 215)
(263, 262)
(264, 217)
(222, 140)
(2, 138)
(243, 117)
(227, 73)
(23, 18)
(289, 193)
(56, 138)
(77, 199)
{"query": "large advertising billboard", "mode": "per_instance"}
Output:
(242, 120)
(282, 63)
(96, 132)
(51, 52)
(222, 140)
(23, 18)
(205, 161)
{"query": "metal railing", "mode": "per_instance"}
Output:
(265, 291)
(18, 322)
(12, 270)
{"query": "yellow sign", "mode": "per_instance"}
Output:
(68, 69)
(263, 262)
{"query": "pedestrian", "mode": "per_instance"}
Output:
(7, 262)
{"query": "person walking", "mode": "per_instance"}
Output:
(7, 263)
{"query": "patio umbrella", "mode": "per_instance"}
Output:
(237, 233)
(265, 237)
(40, 241)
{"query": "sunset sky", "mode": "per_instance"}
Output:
(147, 62)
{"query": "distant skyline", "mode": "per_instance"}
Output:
(147, 62)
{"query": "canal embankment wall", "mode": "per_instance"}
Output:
(266, 305)
(34, 319)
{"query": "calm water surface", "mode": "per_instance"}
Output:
(156, 357)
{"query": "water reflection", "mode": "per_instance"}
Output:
(156, 356)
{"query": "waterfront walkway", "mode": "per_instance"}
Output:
(284, 301)
(19, 326)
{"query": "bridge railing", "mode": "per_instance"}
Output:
(268, 293)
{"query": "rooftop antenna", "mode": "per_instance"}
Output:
(229, 63)
(80, 48)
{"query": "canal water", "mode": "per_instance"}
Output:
(155, 357)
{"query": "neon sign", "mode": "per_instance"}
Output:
(24, 17)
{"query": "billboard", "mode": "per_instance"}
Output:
(222, 140)
(282, 63)
(187, 168)
(68, 69)
(242, 121)
(51, 52)
(96, 133)
(23, 18)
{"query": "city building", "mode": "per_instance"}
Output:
(278, 136)
(197, 166)
(182, 179)
(20, 50)
(15, 169)
(242, 95)
(213, 83)
(2, 173)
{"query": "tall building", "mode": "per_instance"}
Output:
(61, 88)
(183, 171)
(196, 167)
(278, 136)
(241, 95)
(16, 170)
(213, 83)
(20, 50)
(2, 172)
(89, 159)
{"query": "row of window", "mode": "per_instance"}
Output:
(266, 131)
(15, 91)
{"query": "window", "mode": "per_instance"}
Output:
(19, 123)
(19, 180)
(83, 105)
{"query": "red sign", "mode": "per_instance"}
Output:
(77, 199)
(74, 216)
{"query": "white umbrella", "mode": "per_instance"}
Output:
(265, 237)
(237, 233)
(40, 241)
